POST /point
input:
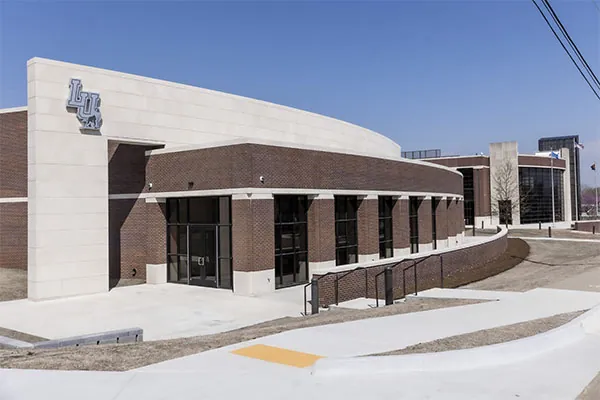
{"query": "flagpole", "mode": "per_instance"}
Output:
(575, 148)
(596, 188)
(552, 180)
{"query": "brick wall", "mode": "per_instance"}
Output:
(321, 230)
(127, 239)
(242, 165)
(13, 154)
(451, 213)
(481, 183)
(368, 226)
(401, 229)
(525, 160)
(441, 220)
(253, 234)
(459, 162)
(156, 235)
(587, 226)
(13, 235)
(460, 267)
(425, 223)
(13, 183)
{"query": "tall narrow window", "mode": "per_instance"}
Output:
(413, 217)
(434, 204)
(291, 247)
(386, 243)
(346, 238)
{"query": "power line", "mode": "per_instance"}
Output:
(571, 42)
(565, 49)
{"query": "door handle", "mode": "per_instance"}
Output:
(201, 261)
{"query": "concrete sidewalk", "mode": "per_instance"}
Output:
(558, 374)
(378, 335)
(163, 311)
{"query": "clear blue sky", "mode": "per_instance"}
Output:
(449, 75)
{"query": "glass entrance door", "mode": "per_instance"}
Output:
(203, 255)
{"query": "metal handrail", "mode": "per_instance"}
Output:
(346, 273)
(413, 265)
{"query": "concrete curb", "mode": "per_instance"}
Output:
(456, 360)
(13, 343)
(130, 335)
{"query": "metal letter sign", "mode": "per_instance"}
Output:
(87, 105)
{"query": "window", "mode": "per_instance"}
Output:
(199, 228)
(386, 243)
(413, 221)
(535, 187)
(291, 248)
(346, 239)
(434, 204)
(469, 193)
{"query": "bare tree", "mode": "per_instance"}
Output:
(508, 197)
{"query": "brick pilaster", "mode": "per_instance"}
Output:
(253, 234)
(321, 229)
(401, 229)
(368, 226)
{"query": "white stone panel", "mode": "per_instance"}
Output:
(368, 257)
(156, 274)
(253, 283)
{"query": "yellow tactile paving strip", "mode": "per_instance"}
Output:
(278, 355)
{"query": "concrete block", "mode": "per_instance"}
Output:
(156, 273)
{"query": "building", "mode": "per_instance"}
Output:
(568, 142)
(107, 176)
(511, 188)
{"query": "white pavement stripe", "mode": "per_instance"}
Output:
(13, 199)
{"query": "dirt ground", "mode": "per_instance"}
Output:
(128, 356)
(13, 284)
(548, 263)
(592, 390)
(488, 336)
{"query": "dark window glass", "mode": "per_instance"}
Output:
(204, 210)
(434, 205)
(189, 214)
(172, 210)
(555, 143)
(291, 246)
(413, 221)
(469, 195)
(535, 187)
(182, 208)
(386, 242)
(346, 240)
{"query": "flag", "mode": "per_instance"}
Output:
(554, 155)
(579, 146)
(593, 167)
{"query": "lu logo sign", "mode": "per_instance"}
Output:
(86, 104)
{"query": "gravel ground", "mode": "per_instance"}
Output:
(488, 336)
(128, 356)
(548, 262)
(13, 284)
